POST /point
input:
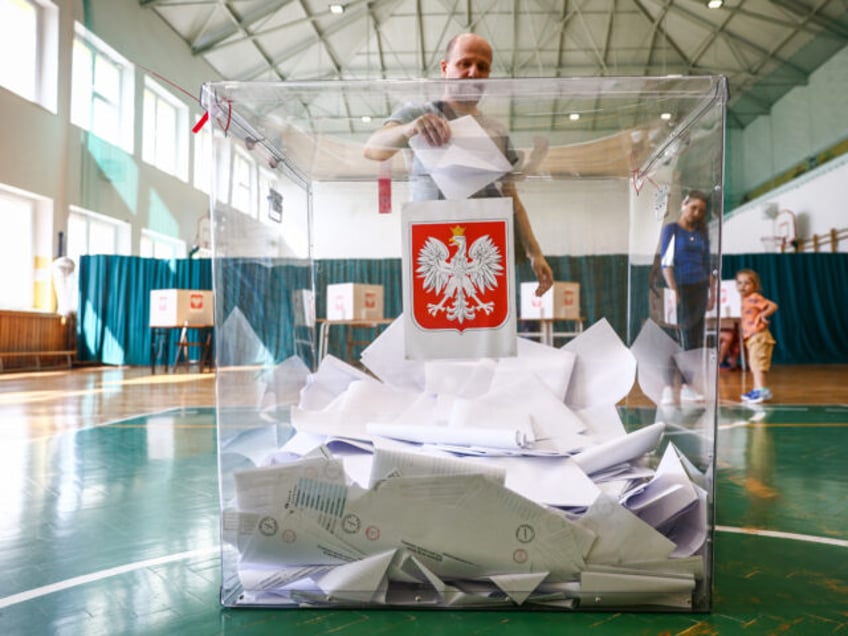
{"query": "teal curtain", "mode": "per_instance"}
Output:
(264, 292)
(114, 303)
(603, 285)
(810, 290)
(377, 271)
(115, 298)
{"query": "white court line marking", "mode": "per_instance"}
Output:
(776, 534)
(103, 574)
(44, 590)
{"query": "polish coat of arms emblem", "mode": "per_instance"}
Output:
(459, 277)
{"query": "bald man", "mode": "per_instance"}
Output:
(467, 57)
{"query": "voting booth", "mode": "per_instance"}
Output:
(181, 308)
(454, 462)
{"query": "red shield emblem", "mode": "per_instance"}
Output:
(459, 275)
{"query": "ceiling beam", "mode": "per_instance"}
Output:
(834, 26)
(670, 40)
(727, 33)
(656, 30)
(206, 42)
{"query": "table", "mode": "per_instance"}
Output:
(734, 323)
(160, 340)
(349, 325)
(546, 333)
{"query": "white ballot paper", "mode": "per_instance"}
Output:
(465, 481)
(347, 415)
(692, 365)
(385, 358)
(501, 438)
(654, 350)
(620, 449)
(442, 521)
(668, 495)
(467, 163)
(285, 381)
(395, 460)
(605, 369)
(621, 536)
(330, 381)
(552, 367)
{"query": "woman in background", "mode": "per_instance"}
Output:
(687, 270)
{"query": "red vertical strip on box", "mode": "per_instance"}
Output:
(384, 188)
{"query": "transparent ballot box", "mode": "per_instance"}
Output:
(405, 418)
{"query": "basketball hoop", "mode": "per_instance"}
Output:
(203, 237)
(785, 228)
(773, 243)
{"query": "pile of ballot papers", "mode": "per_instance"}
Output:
(469, 483)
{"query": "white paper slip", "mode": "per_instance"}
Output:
(492, 438)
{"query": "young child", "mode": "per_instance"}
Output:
(756, 310)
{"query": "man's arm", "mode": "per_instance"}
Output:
(394, 136)
(540, 266)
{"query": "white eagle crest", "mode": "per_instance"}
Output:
(458, 278)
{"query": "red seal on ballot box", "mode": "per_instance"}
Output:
(459, 279)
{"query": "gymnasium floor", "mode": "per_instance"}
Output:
(108, 518)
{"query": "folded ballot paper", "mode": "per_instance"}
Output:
(467, 483)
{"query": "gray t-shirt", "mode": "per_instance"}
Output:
(421, 185)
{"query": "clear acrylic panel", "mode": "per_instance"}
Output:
(402, 421)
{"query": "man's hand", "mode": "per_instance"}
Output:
(544, 274)
(433, 128)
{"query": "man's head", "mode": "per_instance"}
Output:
(468, 56)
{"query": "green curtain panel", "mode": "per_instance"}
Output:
(114, 304)
(115, 296)
(810, 290)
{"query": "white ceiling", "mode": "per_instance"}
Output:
(764, 47)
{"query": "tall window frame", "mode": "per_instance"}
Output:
(28, 216)
(29, 50)
(211, 145)
(93, 233)
(243, 183)
(164, 130)
(157, 245)
(103, 90)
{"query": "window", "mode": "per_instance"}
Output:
(155, 245)
(26, 246)
(210, 144)
(102, 91)
(243, 195)
(17, 215)
(92, 233)
(165, 131)
(29, 50)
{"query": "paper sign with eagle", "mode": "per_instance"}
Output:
(459, 279)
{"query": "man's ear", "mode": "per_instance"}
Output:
(443, 65)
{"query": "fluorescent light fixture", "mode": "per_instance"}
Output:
(337, 8)
(574, 116)
(665, 116)
(366, 119)
(715, 4)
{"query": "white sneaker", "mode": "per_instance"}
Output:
(689, 395)
(667, 398)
